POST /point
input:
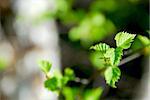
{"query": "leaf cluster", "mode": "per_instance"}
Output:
(57, 81)
(112, 56)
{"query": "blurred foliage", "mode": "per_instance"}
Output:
(100, 5)
(3, 63)
(119, 12)
(74, 93)
(70, 93)
(93, 94)
(141, 43)
(92, 28)
(98, 19)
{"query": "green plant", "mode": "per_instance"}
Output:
(111, 58)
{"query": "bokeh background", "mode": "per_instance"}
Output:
(62, 31)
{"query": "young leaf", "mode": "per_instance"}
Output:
(110, 55)
(102, 47)
(124, 39)
(45, 66)
(112, 74)
(51, 84)
(118, 55)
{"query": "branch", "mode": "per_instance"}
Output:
(130, 58)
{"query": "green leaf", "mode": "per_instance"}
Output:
(124, 39)
(102, 47)
(45, 66)
(112, 74)
(118, 55)
(93, 94)
(69, 73)
(110, 56)
(51, 84)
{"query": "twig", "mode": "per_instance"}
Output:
(130, 58)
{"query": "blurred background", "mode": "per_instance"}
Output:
(62, 31)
